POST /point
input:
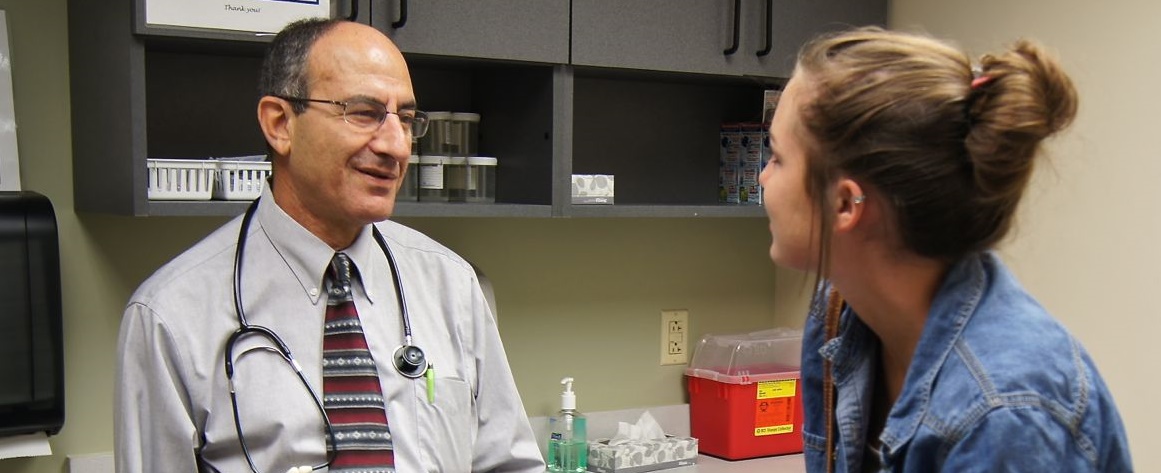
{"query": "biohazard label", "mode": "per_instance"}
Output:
(774, 407)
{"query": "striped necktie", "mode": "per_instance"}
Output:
(351, 393)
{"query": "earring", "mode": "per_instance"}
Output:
(858, 199)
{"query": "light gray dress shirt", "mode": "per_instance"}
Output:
(173, 410)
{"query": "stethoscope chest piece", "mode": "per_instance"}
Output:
(410, 361)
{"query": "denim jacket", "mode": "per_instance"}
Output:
(995, 384)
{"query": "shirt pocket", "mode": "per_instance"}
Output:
(447, 426)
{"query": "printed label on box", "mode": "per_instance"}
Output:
(774, 407)
(769, 104)
(751, 143)
(731, 144)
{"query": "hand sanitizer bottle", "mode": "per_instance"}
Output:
(568, 450)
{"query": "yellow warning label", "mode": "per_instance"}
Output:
(774, 407)
(781, 429)
(780, 388)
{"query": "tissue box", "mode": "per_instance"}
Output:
(642, 455)
(592, 189)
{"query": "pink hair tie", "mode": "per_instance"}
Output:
(980, 81)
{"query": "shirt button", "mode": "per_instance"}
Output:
(314, 292)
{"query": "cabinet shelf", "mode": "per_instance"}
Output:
(652, 211)
(221, 208)
(458, 209)
(205, 208)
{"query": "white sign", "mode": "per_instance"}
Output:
(263, 16)
(9, 160)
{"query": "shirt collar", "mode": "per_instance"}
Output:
(953, 306)
(306, 255)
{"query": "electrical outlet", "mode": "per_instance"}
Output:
(674, 337)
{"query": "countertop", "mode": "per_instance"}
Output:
(675, 421)
(779, 464)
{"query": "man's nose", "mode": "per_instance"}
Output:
(392, 138)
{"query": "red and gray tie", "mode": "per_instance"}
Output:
(351, 393)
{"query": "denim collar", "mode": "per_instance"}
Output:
(954, 304)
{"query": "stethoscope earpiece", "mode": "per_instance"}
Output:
(410, 361)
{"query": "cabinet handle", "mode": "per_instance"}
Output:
(769, 28)
(737, 19)
(354, 10)
(402, 15)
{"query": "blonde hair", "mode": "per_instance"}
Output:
(950, 151)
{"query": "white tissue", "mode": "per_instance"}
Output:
(646, 428)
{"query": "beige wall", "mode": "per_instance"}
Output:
(1086, 244)
(581, 296)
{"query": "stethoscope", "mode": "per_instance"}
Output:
(408, 359)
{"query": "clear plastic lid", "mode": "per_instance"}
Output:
(747, 357)
(432, 116)
(465, 116)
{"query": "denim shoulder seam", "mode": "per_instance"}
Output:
(975, 368)
(953, 434)
(1081, 408)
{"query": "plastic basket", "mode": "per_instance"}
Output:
(241, 180)
(180, 179)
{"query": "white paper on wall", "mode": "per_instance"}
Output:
(263, 16)
(9, 160)
(28, 445)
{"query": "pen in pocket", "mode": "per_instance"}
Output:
(430, 375)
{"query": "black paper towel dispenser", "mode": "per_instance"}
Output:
(31, 344)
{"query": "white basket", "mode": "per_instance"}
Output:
(241, 180)
(180, 179)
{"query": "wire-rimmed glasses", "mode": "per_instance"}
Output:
(368, 115)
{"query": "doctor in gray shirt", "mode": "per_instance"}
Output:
(339, 114)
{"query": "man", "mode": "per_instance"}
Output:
(339, 115)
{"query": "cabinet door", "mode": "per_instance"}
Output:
(662, 35)
(795, 22)
(698, 36)
(518, 30)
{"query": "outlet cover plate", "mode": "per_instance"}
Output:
(674, 337)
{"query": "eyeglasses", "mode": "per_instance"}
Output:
(369, 115)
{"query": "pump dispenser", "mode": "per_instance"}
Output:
(568, 450)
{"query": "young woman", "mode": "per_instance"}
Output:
(896, 167)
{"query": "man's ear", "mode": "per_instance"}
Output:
(277, 121)
(850, 205)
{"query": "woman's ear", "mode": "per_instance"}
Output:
(850, 204)
(277, 121)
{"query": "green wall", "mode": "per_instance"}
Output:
(577, 297)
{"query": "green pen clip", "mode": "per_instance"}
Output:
(430, 375)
